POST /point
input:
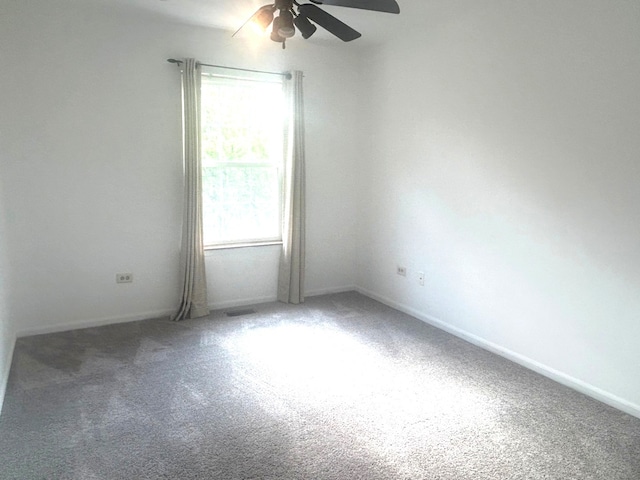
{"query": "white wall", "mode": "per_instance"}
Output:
(7, 334)
(496, 150)
(504, 163)
(91, 150)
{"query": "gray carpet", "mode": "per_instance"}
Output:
(341, 387)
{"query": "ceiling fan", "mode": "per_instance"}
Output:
(293, 15)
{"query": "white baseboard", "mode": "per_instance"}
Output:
(558, 376)
(99, 322)
(241, 302)
(328, 291)
(96, 322)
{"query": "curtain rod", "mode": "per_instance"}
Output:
(286, 75)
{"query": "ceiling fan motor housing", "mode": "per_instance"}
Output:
(284, 4)
(284, 24)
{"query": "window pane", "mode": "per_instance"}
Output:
(242, 157)
(241, 120)
(241, 203)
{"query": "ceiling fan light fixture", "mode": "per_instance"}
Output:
(275, 36)
(264, 16)
(305, 26)
(285, 24)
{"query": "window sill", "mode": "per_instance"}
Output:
(241, 245)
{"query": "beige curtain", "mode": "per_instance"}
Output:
(193, 303)
(292, 256)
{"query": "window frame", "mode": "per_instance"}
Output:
(279, 166)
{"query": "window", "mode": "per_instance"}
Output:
(242, 159)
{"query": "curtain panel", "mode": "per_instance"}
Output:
(193, 302)
(292, 255)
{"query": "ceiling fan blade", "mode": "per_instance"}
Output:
(330, 23)
(387, 6)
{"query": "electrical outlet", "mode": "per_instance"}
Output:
(421, 278)
(402, 271)
(124, 277)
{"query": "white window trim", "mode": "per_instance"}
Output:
(228, 246)
(257, 242)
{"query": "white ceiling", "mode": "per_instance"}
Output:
(231, 14)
